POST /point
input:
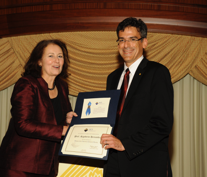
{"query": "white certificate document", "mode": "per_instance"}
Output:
(95, 108)
(84, 140)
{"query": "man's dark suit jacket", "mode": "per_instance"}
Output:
(33, 136)
(146, 121)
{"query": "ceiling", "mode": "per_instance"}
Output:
(23, 17)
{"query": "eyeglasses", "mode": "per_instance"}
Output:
(130, 40)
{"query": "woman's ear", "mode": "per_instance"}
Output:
(40, 63)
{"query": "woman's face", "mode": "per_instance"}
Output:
(51, 62)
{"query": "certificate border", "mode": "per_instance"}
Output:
(85, 152)
(111, 119)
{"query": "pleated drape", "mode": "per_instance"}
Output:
(94, 55)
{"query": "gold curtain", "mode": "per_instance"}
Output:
(93, 55)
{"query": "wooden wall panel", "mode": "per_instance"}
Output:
(20, 17)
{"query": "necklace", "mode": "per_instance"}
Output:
(53, 87)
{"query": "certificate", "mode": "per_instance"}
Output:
(95, 107)
(84, 140)
(96, 116)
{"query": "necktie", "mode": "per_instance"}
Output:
(123, 92)
(122, 98)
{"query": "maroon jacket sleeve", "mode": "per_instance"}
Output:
(33, 137)
(33, 113)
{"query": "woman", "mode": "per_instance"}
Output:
(40, 109)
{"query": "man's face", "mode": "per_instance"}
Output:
(131, 51)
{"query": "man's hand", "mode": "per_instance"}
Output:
(110, 141)
(69, 116)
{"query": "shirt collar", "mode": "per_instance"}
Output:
(133, 66)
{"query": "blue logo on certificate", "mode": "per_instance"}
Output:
(88, 110)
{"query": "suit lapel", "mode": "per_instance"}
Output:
(135, 82)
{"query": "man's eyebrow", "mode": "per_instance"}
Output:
(129, 37)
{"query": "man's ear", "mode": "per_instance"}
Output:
(144, 43)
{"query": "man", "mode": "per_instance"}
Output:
(140, 146)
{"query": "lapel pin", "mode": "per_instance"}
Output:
(140, 74)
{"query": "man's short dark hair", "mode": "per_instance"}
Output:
(133, 22)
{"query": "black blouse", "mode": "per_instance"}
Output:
(58, 110)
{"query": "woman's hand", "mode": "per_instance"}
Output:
(65, 128)
(69, 116)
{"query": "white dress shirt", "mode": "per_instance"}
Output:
(132, 68)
